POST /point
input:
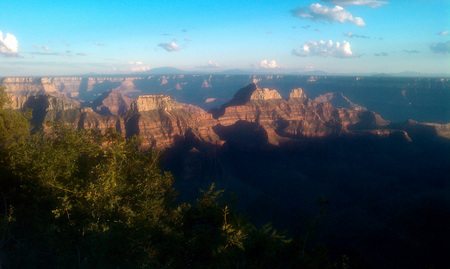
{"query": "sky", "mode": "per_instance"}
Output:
(63, 38)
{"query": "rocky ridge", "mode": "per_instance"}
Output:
(162, 122)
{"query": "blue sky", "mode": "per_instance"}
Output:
(40, 38)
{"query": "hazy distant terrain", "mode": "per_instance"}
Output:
(395, 99)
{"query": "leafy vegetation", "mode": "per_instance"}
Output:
(85, 199)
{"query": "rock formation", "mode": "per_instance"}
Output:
(297, 117)
(338, 100)
(161, 122)
(111, 103)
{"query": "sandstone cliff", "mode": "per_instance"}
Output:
(111, 103)
(162, 122)
(297, 117)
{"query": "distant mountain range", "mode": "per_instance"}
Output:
(176, 71)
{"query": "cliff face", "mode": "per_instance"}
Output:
(162, 122)
(297, 117)
(111, 103)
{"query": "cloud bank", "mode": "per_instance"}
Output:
(441, 47)
(137, 67)
(265, 64)
(172, 46)
(210, 64)
(324, 48)
(8, 45)
(370, 3)
(319, 12)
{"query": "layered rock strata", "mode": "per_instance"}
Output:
(297, 117)
(162, 122)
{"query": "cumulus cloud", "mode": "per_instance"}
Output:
(137, 67)
(443, 33)
(8, 45)
(441, 47)
(350, 34)
(210, 64)
(169, 46)
(370, 3)
(319, 12)
(265, 64)
(324, 48)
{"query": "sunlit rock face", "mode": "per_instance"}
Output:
(111, 103)
(338, 100)
(297, 117)
(162, 122)
(298, 94)
(154, 102)
(265, 94)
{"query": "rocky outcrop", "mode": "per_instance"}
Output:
(338, 100)
(111, 103)
(162, 122)
(154, 102)
(442, 130)
(297, 117)
(297, 94)
(265, 94)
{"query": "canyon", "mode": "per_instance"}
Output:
(161, 122)
(280, 143)
(395, 99)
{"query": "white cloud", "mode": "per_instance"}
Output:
(319, 12)
(441, 47)
(136, 67)
(324, 48)
(443, 33)
(169, 46)
(370, 3)
(264, 64)
(210, 64)
(8, 45)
